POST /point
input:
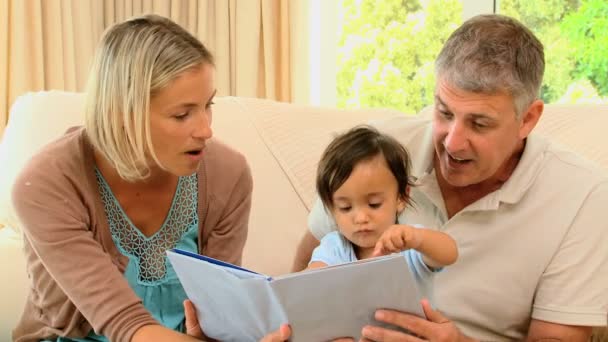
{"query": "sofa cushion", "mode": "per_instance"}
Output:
(580, 128)
(35, 120)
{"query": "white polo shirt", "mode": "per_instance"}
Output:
(535, 248)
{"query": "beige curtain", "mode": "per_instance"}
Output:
(48, 44)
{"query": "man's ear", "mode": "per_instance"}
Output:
(530, 118)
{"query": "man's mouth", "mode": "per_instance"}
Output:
(457, 160)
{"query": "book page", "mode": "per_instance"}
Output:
(328, 303)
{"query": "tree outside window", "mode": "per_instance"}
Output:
(387, 49)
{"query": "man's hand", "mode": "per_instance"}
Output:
(436, 328)
(397, 238)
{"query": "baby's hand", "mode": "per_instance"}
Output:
(397, 238)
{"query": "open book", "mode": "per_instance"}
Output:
(236, 304)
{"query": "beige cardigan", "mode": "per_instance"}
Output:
(74, 268)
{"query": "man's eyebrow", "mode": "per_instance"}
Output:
(473, 115)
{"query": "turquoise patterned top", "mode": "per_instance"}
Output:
(149, 271)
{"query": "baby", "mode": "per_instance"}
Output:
(363, 179)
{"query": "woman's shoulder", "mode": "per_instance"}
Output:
(222, 160)
(217, 151)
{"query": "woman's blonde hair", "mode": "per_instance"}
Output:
(134, 60)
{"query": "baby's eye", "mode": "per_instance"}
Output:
(344, 209)
(375, 205)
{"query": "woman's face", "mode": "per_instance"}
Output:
(180, 119)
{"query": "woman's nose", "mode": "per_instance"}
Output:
(202, 129)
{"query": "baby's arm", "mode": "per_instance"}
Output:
(315, 264)
(328, 252)
(438, 249)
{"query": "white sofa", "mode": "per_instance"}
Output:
(282, 143)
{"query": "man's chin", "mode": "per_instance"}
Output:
(458, 180)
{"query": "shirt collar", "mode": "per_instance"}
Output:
(511, 191)
(526, 171)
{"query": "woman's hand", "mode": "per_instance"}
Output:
(280, 335)
(193, 328)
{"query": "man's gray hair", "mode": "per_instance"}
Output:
(491, 54)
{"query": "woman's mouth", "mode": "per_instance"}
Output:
(195, 154)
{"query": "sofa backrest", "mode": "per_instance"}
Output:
(282, 143)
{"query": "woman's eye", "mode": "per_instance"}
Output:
(181, 116)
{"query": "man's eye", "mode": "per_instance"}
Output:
(445, 114)
(375, 205)
(209, 105)
(479, 125)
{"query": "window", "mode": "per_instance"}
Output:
(386, 49)
(575, 36)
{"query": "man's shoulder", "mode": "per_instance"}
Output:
(572, 166)
(406, 129)
(415, 134)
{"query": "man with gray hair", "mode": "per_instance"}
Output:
(533, 263)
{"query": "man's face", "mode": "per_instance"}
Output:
(475, 135)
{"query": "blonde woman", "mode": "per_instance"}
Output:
(102, 204)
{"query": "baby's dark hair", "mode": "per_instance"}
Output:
(359, 144)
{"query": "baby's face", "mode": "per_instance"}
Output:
(367, 203)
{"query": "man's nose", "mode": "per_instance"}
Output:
(456, 139)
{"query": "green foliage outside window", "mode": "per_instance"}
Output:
(387, 49)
